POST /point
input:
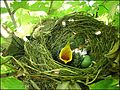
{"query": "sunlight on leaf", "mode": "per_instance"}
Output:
(9, 26)
(22, 18)
(11, 83)
(5, 42)
(38, 13)
(24, 30)
(4, 59)
(57, 4)
(39, 6)
(116, 19)
(16, 5)
(3, 10)
(103, 18)
(6, 69)
(105, 84)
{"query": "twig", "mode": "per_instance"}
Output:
(20, 64)
(34, 85)
(5, 28)
(10, 13)
(94, 78)
(13, 20)
(50, 6)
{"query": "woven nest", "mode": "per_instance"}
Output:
(41, 64)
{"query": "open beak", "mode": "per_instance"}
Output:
(66, 53)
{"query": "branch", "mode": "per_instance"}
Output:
(10, 13)
(5, 28)
(13, 20)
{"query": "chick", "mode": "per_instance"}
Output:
(65, 54)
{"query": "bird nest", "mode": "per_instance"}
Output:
(41, 62)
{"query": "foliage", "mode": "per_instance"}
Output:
(11, 83)
(108, 83)
(28, 15)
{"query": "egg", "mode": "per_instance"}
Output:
(86, 61)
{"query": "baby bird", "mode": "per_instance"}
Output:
(65, 54)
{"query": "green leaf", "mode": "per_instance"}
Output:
(6, 69)
(34, 19)
(79, 6)
(16, 47)
(116, 20)
(16, 5)
(107, 7)
(111, 6)
(105, 84)
(25, 17)
(102, 10)
(10, 25)
(76, 3)
(4, 59)
(40, 6)
(59, 14)
(6, 66)
(11, 83)
(94, 7)
(76, 7)
(5, 42)
(57, 4)
(97, 3)
(3, 10)
(85, 8)
(22, 16)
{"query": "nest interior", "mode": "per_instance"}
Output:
(40, 62)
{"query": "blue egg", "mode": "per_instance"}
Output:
(86, 61)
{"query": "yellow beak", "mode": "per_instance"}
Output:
(66, 53)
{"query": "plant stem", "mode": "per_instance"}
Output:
(11, 14)
(50, 6)
(94, 78)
